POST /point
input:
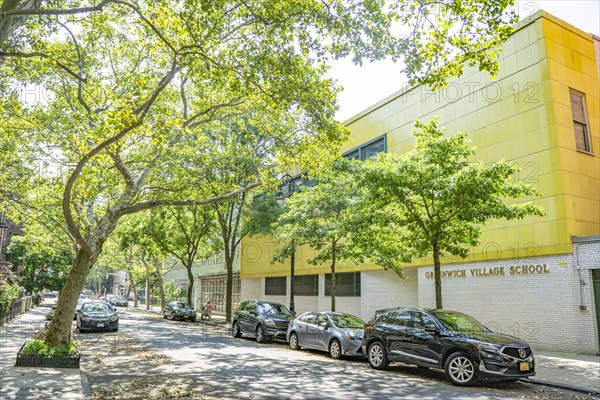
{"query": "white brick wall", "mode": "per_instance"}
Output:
(385, 289)
(251, 288)
(543, 309)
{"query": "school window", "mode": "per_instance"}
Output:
(580, 122)
(346, 284)
(368, 150)
(275, 286)
(306, 285)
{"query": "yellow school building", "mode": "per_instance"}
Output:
(537, 278)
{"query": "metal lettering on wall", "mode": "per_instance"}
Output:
(531, 269)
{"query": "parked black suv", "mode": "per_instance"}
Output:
(448, 340)
(262, 320)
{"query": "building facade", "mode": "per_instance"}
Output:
(537, 278)
(210, 281)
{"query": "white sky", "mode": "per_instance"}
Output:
(366, 85)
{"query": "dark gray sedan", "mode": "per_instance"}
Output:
(339, 334)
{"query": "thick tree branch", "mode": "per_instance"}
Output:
(182, 203)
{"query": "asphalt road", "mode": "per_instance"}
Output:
(212, 364)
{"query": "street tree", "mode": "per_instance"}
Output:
(126, 90)
(435, 199)
(133, 230)
(324, 216)
(40, 265)
(186, 234)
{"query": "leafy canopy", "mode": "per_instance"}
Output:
(435, 198)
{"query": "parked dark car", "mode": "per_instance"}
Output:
(339, 334)
(262, 320)
(455, 342)
(179, 310)
(97, 315)
(120, 301)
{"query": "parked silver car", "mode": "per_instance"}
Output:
(339, 334)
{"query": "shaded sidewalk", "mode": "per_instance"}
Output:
(580, 372)
(20, 383)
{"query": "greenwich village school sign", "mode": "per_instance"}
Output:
(537, 269)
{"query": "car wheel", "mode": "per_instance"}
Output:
(260, 334)
(172, 317)
(165, 316)
(335, 349)
(377, 356)
(193, 319)
(235, 330)
(460, 369)
(294, 341)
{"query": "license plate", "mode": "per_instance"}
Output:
(524, 366)
(100, 325)
(186, 316)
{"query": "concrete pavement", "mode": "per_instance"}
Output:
(27, 383)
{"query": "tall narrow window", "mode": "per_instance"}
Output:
(580, 123)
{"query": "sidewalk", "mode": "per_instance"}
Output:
(21, 383)
(580, 372)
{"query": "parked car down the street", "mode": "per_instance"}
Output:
(120, 301)
(179, 310)
(337, 333)
(97, 315)
(464, 348)
(80, 302)
(262, 320)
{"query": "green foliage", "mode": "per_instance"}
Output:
(131, 91)
(9, 292)
(435, 199)
(40, 348)
(172, 291)
(325, 215)
(42, 266)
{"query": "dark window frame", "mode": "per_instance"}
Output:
(584, 122)
(356, 284)
(279, 278)
(300, 286)
(362, 147)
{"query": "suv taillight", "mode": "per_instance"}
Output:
(368, 325)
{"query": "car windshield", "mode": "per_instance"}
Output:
(181, 305)
(268, 308)
(96, 307)
(458, 322)
(347, 321)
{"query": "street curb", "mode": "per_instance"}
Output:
(87, 389)
(562, 386)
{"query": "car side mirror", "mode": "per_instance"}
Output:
(430, 327)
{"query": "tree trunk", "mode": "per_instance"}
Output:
(161, 285)
(333, 278)
(147, 287)
(228, 292)
(59, 331)
(190, 290)
(135, 296)
(437, 276)
(292, 274)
